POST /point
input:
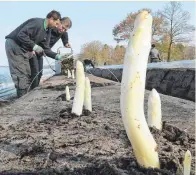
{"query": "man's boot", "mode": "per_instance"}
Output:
(21, 92)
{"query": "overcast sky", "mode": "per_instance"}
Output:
(91, 20)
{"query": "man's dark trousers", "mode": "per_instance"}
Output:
(36, 65)
(19, 66)
(155, 60)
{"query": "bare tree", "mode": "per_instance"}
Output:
(157, 26)
(92, 50)
(176, 24)
(121, 31)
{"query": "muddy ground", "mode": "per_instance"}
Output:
(38, 135)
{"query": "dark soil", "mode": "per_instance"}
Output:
(45, 138)
(62, 97)
(7, 101)
(62, 86)
(93, 84)
(4, 103)
(172, 142)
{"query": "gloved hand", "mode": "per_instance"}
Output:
(60, 57)
(38, 49)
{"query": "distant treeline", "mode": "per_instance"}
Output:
(171, 34)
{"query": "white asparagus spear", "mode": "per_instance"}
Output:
(72, 74)
(154, 110)
(87, 97)
(68, 74)
(132, 92)
(187, 163)
(67, 93)
(78, 101)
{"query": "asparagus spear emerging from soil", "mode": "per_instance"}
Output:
(72, 74)
(80, 87)
(87, 97)
(67, 93)
(132, 92)
(68, 73)
(187, 163)
(154, 110)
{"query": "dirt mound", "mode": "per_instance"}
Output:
(101, 158)
(61, 87)
(45, 138)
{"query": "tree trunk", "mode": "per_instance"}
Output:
(169, 52)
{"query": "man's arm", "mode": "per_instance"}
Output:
(24, 35)
(46, 47)
(50, 53)
(92, 64)
(64, 38)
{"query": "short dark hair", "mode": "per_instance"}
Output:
(67, 19)
(153, 45)
(54, 14)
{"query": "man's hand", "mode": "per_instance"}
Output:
(31, 54)
(39, 50)
(67, 45)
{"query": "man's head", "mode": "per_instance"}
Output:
(153, 45)
(65, 24)
(53, 19)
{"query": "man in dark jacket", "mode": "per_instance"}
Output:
(154, 55)
(31, 37)
(56, 33)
